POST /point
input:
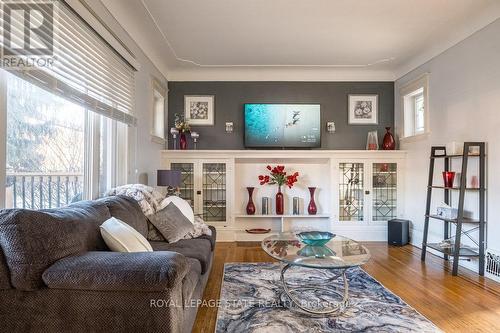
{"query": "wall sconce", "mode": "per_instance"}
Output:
(229, 127)
(330, 127)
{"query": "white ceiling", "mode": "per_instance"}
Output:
(297, 39)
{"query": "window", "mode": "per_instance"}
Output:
(65, 126)
(158, 129)
(45, 148)
(415, 107)
(50, 156)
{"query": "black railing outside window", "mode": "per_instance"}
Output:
(41, 191)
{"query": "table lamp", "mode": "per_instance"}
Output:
(169, 178)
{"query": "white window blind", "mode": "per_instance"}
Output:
(85, 68)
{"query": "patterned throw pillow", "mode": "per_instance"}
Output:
(172, 223)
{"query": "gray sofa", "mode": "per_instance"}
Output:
(57, 275)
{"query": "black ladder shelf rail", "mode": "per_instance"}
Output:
(457, 252)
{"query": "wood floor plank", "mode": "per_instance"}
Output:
(464, 303)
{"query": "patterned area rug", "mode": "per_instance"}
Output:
(252, 301)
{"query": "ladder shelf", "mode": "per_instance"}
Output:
(458, 250)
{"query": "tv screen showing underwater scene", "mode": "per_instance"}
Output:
(282, 125)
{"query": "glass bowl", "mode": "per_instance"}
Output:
(315, 238)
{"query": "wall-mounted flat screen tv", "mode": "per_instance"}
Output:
(282, 125)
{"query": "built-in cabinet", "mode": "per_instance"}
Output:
(358, 191)
(204, 184)
(367, 191)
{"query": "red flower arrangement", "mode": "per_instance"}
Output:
(278, 176)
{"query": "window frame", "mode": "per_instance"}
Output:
(3, 137)
(419, 86)
(157, 88)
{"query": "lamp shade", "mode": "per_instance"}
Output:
(168, 178)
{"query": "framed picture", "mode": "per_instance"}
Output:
(363, 109)
(199, 110)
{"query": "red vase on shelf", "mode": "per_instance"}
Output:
(183, 144)
(311, 208)
(280, 202)
(183, 141)
(250, 204)
(389, 143)
(279, 177)
(448, 178)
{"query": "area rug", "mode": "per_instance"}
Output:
(252, 301)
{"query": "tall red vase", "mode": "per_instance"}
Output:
(311, 208)
(389, 143)
(250, 204)
(280, 202)
(183, 144)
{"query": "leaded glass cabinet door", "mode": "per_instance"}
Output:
(351, 191)
(187, 181)
(384, 197)
(214, 192)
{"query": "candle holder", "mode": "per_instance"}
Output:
(174, 131)
(195, 136)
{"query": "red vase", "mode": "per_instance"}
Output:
(312, 209)
(183, 144)
(280, 202)
(448, 178)
(250, 204)
(389, 143)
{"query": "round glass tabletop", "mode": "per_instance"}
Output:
(339, 252)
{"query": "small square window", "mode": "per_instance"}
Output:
(415, 108)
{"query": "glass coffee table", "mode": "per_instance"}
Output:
(338, 255)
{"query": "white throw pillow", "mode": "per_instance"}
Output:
(180, 203)
(120, 237)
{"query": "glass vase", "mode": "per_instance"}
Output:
(372, 141)
(311, 208)
(250, 204)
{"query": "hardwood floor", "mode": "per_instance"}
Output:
(465, 303)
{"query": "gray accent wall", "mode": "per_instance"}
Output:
(231, 96)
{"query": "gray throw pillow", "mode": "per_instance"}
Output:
(171, 223)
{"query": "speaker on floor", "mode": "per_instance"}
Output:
(398, 232)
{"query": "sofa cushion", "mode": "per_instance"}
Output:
(191, 280)
(120, 237)
(212, 238)
(192, 248)
(4, 272)
(118, 271)
(34, 240)
(127, 210)
(172, 223)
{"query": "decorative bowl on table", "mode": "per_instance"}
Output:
(315, 238)
(316, 251)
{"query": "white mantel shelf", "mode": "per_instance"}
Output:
(247, 155)
(276, 156)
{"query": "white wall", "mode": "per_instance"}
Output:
(143, 154)
(464, 105)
